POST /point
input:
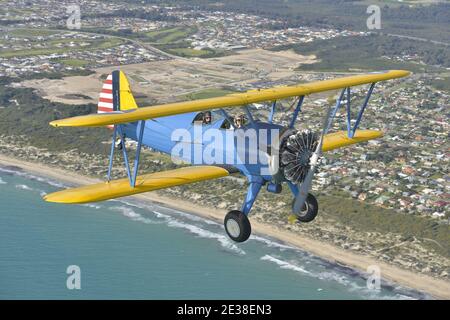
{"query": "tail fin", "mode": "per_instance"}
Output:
(116, 94)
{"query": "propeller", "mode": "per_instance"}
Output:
(305, 185)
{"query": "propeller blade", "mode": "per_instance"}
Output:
(303, 190)
(305, 186)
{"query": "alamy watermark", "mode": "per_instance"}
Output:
(227, 147)
(74, 19)
(374, 20)
(73, 281)
(374, 279)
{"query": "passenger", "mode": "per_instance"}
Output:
(239, 121)
(119, 143)
(207, 117)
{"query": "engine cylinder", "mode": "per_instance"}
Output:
(296, 150)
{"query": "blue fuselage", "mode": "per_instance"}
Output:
(200, 144)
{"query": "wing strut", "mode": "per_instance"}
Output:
(272, 111)
(361, 111)
(298, 108)
(346, 92)
(118, 131)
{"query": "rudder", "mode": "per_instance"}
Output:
(116, 94)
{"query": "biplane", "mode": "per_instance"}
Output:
(291, 156)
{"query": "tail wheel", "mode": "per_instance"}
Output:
(237, 226)
(309, 210)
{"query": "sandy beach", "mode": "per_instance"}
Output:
(437, 288)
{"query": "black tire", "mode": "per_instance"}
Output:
(310, 209)
(237, 226)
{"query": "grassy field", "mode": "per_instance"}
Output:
(188, 52)
(169, 35)
(103, 44)
(137, 78)
(173, 40)
(442, 83)
(207, 93)
(31, 32)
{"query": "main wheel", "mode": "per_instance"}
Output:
(237, 226)
(309, 210)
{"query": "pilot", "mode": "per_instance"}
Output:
(207, 117)
(119, 143)
(239, 121)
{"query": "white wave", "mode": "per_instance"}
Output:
(325, 275)
(333, 276)
(2, 169)
(91, 205)
(172, 222)
(145, 207)
(342, 279)
(28, 175)
(134, 204)
(42, 193)
(130, 213)
(2, 181)
(353, 286)
(364, 290)
(51, 182)
(403, 297)
(161, 215)
(272, 244)
(222, 239)
(284, 264)
(196, 218)
(23, 187)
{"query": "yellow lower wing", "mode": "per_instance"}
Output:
(340, 139)
(160, 180)
(148, 182)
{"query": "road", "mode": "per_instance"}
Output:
(416, 38)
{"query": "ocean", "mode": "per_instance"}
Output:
(125, 249)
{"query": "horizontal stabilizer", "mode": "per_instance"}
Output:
(231, 100)
(340, 139)
(148, 182)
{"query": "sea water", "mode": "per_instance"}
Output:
(125, 249)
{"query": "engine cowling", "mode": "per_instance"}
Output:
(296, 149)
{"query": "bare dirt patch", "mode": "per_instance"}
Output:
(169, 80)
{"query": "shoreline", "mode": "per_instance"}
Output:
(437, 288)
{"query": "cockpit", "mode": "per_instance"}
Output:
(216, 119)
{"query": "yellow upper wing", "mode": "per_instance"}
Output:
(148, 182)
(231, 100)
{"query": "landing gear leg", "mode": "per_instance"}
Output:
(236, 222)
(310, 208)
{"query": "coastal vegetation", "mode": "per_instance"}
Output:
(418, 20)
(373, 52)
